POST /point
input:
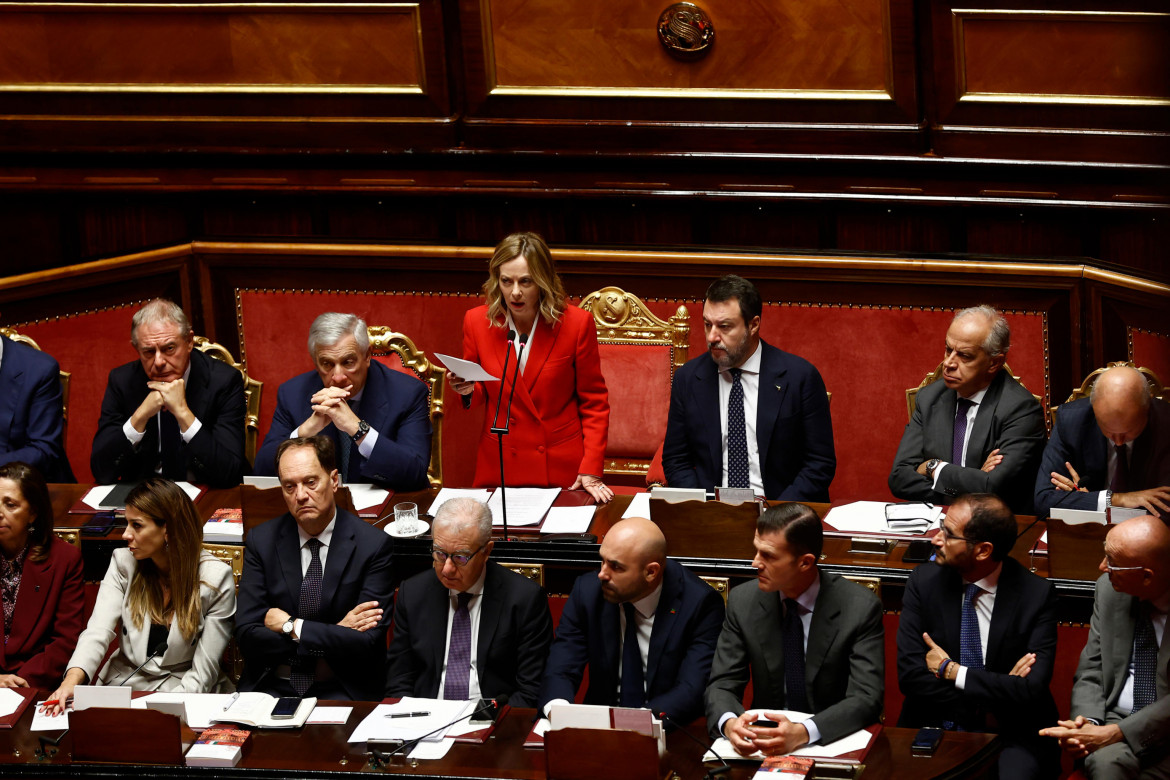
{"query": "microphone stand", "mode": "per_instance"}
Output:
(158, 650)
(712, 773)
(502, 430)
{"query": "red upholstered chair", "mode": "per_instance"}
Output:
(399, 352)
(1152, 381)
(639, 355)
(252, 390)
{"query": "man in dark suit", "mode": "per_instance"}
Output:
(750, 415)
(981, 662)
(316, 584)
(645, 626)
(378, 418)
(810, 641)
(1110, 449)
(1120, 701)
(173, 412)
(994, 445)
(471, 629)
(31, 420)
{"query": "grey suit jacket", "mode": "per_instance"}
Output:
(1103, 668)
(187, 665)
(844, 659)
(1009, 419)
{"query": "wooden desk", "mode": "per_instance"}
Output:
(322, 751)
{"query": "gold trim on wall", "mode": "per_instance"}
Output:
(696, 92)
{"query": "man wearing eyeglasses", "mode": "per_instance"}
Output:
(1120, 707)
(473, 629)
(977, 639)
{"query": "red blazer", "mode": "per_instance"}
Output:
(48, 619)
(560, 415)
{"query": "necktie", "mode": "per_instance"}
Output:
(633, 681)
(171, 463)
(456, 686)
(345, 445)
(970, 645)
(738, 474)
(304, 667)
(1120, 482)
(1145, 660)
(960, 430)
(793, 633)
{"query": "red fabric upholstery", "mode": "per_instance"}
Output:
(638, 380)
(1152, 351)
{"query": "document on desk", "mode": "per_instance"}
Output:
(567, 520)
(868, 517)
(639, 506)
(466, 370)
(526, 506)
(367, 496)
(431, 726)
(446, 494)
(42, 721)
(201, 707)
(96, 495)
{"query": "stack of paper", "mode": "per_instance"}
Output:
(432, 725)
(526, 506)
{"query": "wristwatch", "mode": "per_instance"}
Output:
(363, 429)
(931, 465)
(287, 628)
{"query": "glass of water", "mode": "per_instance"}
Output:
(406, 518)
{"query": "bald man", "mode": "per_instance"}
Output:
(645, 626)
(1110, 449)
(1120, 705)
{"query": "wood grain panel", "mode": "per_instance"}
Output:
(207, 48)
(1055, 55)
(810, 46)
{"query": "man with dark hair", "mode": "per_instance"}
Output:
(794, 612)
(471, 628)
(378, 418)
(750, 415)
(173, 412)
(977, 639)
(976, 431)
(310, 615)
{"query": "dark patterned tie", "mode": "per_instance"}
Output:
(970, 645)
(960, 430)
(1145, 660)
(171, 462)
(738, 473)
(457, 685)
(633, 680)
(793, 634)
(1120, 482)
(304, 667)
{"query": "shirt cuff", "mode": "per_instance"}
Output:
(723, 720)
(132, 435)
(189, 434)
(366, 448)
(551, 702)
(938, 473)
(296, 632)
(961, 678)
(814, 734)
(1101, 495)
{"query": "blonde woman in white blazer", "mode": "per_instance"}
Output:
(161, 588)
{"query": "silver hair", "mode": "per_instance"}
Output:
(461, 512)
(999, 338)
(331, 327)
(159, 310)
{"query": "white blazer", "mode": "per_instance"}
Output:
(186, 665)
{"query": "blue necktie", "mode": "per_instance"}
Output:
(792, 630)
(1145, 660)
(304, 667)
(970, 645)
(633, 681)
(960, 431)
(738, 473)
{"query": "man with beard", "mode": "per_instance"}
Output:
(750, 415)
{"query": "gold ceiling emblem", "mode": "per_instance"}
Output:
(685, 31)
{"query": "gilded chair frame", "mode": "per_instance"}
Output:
(384, 341)
(65, 378)
(252, 390)
(533, 571)
(1157, 390)
(934, 376)
(623, 318)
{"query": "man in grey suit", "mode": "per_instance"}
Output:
(1120, 704)
(994, 445)
(810, 641)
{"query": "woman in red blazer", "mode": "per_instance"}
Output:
(560, 414)
(43, 593)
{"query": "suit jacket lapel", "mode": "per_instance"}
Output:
(981, 430)
(770, 398)
(822, 630)
(490, 612)
(34, 587)
(288, 551)
(768, 615)
(665, 617)
(493, 362)
(539, 349)
(434, 609)
(1123, 645)
(707, 393)
(941, 436)
(1002, 615)
(12, 380)
(341, 549)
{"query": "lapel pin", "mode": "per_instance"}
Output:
(779, 388)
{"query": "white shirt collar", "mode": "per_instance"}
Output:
(808, 599)
(648, 605)
(977, 397)
(476, 588)
(751, 365)
(991, 581)
(322, 537)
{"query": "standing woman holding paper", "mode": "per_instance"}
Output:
(560, 413)
(169, 603)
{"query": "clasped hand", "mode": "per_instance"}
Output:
(1081, 736)
(747, 738)
(330, 405)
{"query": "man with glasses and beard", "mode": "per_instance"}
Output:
(473, 629)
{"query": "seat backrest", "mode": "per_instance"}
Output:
(1152, 381)
(65, 377)
(409, 359)
(934, 376)
(252, 390)
(639, 355)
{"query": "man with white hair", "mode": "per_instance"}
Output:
(976, 431)
(173, 412)
(1110, 449)
(472, 629)
(377, 417)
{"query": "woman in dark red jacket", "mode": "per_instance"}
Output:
(560, 414)
(41, 586)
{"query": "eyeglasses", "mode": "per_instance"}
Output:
(459, 559)
(1109, 567)
(945, 534)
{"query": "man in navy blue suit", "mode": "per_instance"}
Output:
(378, 418)
(645, 626)
(750, 415)
(31, 422)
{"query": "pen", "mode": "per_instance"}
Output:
(407, 714)
(51, 702)
(235, 696)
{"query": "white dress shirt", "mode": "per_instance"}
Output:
(516, 343)
(973, 410)
(134, 436)
(474, 609)
(750, 379)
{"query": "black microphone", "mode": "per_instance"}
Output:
(159, 649)
(706, 748)
(492, 705)
(516, 374)
(503, 375)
